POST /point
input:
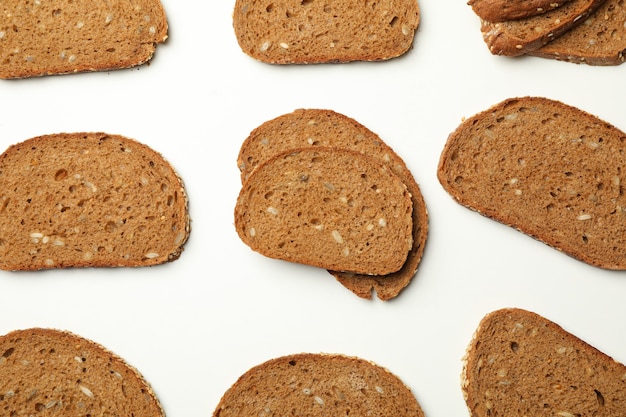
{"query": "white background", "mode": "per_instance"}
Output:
(193, 326)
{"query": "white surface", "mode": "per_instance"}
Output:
(193, 326)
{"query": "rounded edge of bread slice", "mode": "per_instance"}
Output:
(324, 127)
(57, 371)
(318, 384)
(311, 32)
(331, 208)
(521, 363)
(89, 199)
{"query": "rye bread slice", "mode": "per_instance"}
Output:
(599, 40)
(51, 372)
(503, 10)
(46, 37)
(522, 364)
(307, 32)
(548, 169)
(313, 384)
(327, 207)
(518, 37)
(327, 128)
(89, 199)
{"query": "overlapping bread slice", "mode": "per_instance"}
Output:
(520, 36)
(307, 32)
(503, 10)
(47, 37)
(310, 384)
(548, 169)
(321, 127)
(327, 207)
(599, 40)
(89, 199)
(52, 372)
(522, 364)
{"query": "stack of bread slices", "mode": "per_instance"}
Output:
(320, 189)
(579, 31)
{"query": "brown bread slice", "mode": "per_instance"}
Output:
(522, 364)
(306, 31)
(327, 207)
(503, 10)
(327, 128)
(310, 384)
(48, 372)
(46, 37)
(599, 40)
(548, 169)
(517, 37)
(89, 199)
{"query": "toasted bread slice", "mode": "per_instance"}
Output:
(547, 169)
(53, 372)
(327, 207)
(327, 128)
(503, 10)
(307, 32)
(310, 384)
(599, 40)
(44, 38)
(89, 199)
(522, 364)
(518, 37)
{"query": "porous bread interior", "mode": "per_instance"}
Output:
(327, 207)
(547, 169)
(41, 37)
(520, 363)
(318, 385)
(89, 199)
(306, 31)
(52, 372)
(327, 128)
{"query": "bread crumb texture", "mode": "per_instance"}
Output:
(598, 40)
(46, 372)
(89, 199)
(319, 31)
(327, 128)
(327, 207)
(318, 385)
(39, 37)
(549, 170)
(522, 364)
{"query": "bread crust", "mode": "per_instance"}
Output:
(547, 169)
(519, 37)
(323, 127)
(310, 384)
(43, 369)
(307, 32)
(89, 200)
(503, 10)
(520, 363)
(51, 38)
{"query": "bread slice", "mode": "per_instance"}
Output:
(43, 38)
(327, 207)
(307, 32)
(327, 128)
(503, 10)
(522, 364)
(518, 37)
(52, 372)
(599, 40)
(310, 384)
(89, 199)
(547, 169)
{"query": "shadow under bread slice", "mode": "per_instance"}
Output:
(327, 128)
